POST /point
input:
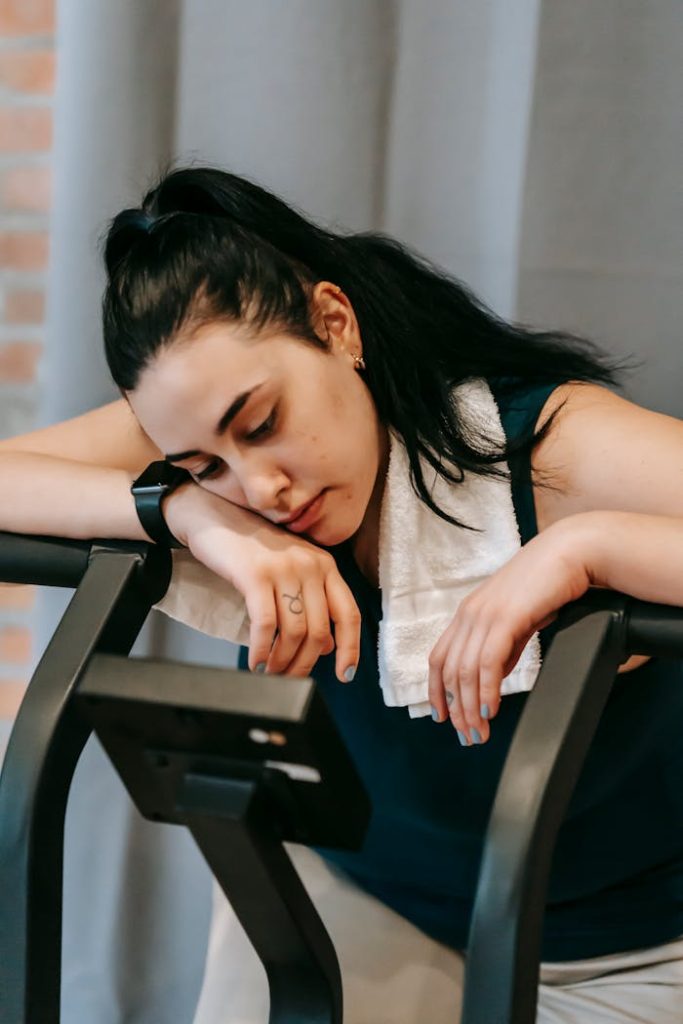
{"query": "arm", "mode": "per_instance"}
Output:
(59, 497)
(73, 480)
(640, 555)
(613, 519)
(620, 496)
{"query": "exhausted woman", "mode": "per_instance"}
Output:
(380, 483)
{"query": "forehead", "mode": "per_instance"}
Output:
(191, 382)
(192, 362)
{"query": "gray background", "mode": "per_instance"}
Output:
(533, 148)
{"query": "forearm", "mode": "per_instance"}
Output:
(640, 555)
(51, 496)
(46, 495)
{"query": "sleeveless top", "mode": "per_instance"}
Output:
(616, 880)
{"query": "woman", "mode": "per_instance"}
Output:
(281, 365)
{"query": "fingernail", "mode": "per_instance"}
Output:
(349, 673)
(474, 733)
(484, 711)
(435, 714)
(462, 738)
(261, 667)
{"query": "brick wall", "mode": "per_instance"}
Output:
(27, 69)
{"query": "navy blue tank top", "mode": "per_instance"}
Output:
(617, 876)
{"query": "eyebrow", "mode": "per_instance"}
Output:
(224, 422)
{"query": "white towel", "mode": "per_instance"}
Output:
(427, 566)
(202, 599)
(421, 591)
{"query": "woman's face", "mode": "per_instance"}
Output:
(307, 426)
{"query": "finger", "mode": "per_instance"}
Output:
(329, 646)
(512, 648)
(318, 638)
(262, 612)
(445, 699)
(462, 673)
(444, 689)
(438, 698)
(292, 624)
(457, 715)
(346, 617)
(496, 655)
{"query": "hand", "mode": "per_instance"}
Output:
(494, 623)
(292, 588)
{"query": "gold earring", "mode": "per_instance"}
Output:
(358, 363)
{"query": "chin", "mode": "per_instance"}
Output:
(331, 536)
(337, 524)
(326, 537)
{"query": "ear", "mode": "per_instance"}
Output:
(334, 318)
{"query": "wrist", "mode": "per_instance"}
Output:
(582, 541)
(177, 509)
(191, 510)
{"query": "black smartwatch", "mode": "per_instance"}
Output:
(149, 490)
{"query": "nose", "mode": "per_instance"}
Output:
(261, 488)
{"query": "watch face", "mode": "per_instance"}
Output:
(159, 476)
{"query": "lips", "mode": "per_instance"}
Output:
(307, 516)
(300, 511)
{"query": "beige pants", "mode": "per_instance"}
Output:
(394, 974)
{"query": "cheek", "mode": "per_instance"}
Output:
(357, 482)
(352, 457)
(339, 458)
(228, 489)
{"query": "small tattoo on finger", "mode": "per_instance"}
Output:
(449, 697)
(295, 600)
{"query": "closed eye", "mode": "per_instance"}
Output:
(211, 470)
(214, 468)
(264, 429)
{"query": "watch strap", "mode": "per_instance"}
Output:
(149, 497)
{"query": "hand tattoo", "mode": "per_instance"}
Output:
(295, 600)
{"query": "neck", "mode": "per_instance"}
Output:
(365, 541)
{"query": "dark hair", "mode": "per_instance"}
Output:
(207, 244)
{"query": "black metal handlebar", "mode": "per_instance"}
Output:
(117, 588)
(56, 561)
(117, 584)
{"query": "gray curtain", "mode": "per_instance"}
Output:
(601, 248)
(531, 148)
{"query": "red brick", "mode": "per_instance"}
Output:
(28, 71)
(18, 361)
(27, 188)
(23, 250)
(25, 306)
(15, 644)
(17, 596)
(25, 129)
(11, 695)
(27, 17)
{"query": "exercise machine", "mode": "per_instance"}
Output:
(246, 767)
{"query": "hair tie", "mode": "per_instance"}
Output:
(146, 221)
(126, 231)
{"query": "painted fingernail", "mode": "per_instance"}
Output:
(261, 667)
(462, 738)
(449, 697)
(349, 673)
(435, 714)
(474, 733)
(484, 711)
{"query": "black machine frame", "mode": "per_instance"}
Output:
(169, 751)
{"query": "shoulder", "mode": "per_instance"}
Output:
(606, 452)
